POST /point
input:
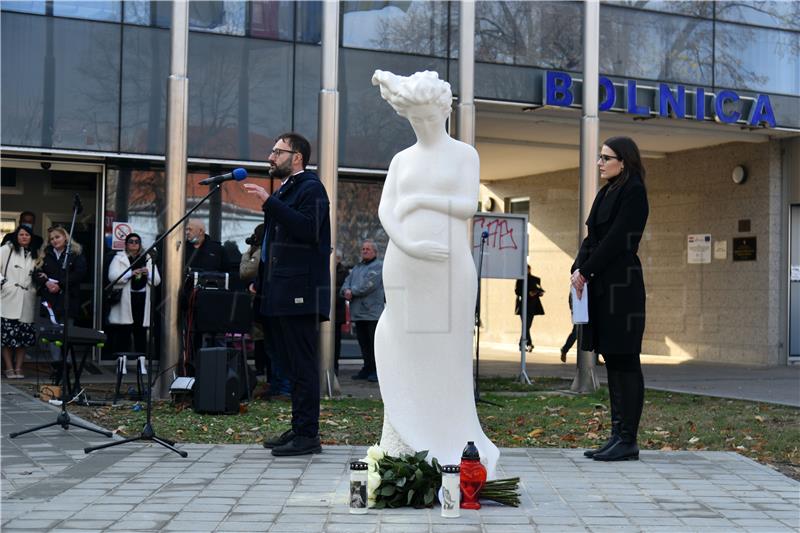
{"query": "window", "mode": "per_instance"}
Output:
(655, 46)
(410, 27)
(520, 206)
(757, 59)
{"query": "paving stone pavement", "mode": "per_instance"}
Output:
(49, 484)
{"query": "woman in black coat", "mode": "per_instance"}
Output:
(50, 274)
(608, 262)
(534, 305)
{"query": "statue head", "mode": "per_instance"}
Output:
(420, 94)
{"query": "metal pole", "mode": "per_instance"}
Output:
(328, 141)
(585, 378)
(177, 105)
(466, 72)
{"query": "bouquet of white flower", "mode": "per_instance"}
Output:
(403, 481)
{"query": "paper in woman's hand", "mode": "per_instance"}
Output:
(580, 306)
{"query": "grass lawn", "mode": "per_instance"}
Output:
(528, 416)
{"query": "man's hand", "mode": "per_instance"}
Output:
(53, 287)
(258, 190)
(348, 294)
(252, 288)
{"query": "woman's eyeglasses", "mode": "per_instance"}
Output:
(607, 158)
(133, 241)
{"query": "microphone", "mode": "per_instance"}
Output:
(76, 204)
(237, 174)
(485, 235)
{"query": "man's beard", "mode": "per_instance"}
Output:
(280, 171)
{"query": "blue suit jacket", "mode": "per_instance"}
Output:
(296, 280)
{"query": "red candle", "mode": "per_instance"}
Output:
(473, 477)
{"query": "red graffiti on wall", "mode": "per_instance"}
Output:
(501, 236)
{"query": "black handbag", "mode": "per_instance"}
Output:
(113, 297)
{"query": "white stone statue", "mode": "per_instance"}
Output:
(423, 342)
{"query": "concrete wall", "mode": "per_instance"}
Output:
(723, 311)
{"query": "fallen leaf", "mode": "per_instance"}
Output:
(229, 431)
(536, 432)
(759, 418)
(694, 440)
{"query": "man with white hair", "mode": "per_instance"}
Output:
(363, 288)
(202, 253)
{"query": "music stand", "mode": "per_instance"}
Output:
(63, 418)
(478, 399)
(148, 433)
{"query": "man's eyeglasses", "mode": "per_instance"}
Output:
(278, 151)
(607, 158)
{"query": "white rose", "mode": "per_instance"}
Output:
(375, 452)
(373, 482)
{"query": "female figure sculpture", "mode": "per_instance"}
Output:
(423, 342)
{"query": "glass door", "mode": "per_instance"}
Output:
(48, 189)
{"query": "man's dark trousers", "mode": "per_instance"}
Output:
(297, 339)
(365, 333)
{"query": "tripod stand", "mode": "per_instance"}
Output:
(148, 433)
(478, 399)
(63, 418)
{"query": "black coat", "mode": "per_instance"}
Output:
(53, 268)
(341, 275)
(535, 291)
(608, 260)
(210, 256)
(296, 278)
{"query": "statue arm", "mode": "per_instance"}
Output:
(462, 204)
(426, 250)
(458, 207)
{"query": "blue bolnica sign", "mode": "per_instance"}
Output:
(667, 101)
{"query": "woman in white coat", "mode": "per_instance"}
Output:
(131, 315)
(18, 299)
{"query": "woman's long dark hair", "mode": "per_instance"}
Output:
(14, 240)
(625, 148)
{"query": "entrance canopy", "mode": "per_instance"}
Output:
(516, 140)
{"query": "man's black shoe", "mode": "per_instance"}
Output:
(362, 374)
(372, 378)
(284, 438)
(299, 445)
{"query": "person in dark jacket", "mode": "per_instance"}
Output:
(51, 273)
(203, 253)
(341, 310)
(609, 268)
(534, 305)
(295, 283)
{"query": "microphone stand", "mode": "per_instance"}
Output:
(148, 433)
(478, 399)
(63, 418)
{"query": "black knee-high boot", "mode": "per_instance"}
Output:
(615, 408)
(632, 402)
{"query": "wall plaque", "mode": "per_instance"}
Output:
(744, 248)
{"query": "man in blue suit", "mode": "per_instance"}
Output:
(295, 283)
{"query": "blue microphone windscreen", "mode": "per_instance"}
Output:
(239, 174)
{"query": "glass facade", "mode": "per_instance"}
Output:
(655, 46)
(60, 82)
(91, 75)
(757, 59)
